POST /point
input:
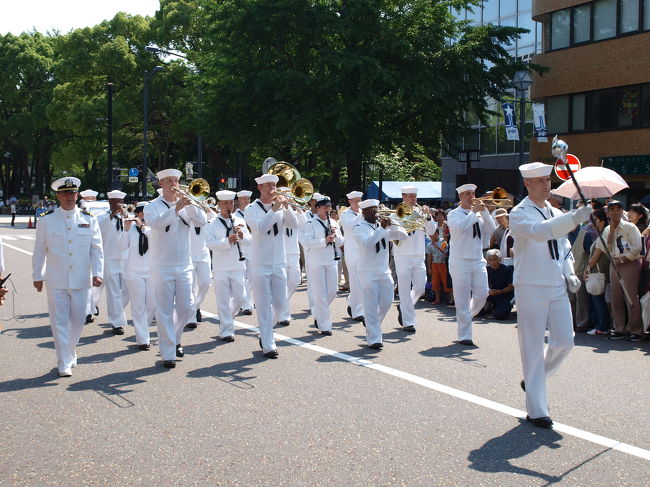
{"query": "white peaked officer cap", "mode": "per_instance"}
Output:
(354, 194)
(226, 195)
(535, 170)
(466, 187)
(409, 190)
(159, 190)
(267, 178)
(66, 184)
(165, 173)
(116, 194)
(88, 193)
(368, 203)
(245, 194)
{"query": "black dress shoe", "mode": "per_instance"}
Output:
(169, 364)
(118, 330)
(96, 311)
(468, 343)
(199, 318)
(179, 351)
(272, 354)
(283, 323)
(89, 319)
(191, 325)
(410, 329)
(316, 323)
(523, 385)
(350, 312)
(260, 342)
(544, 422)
(326, 333)
(247, 312)
(144, 347)
(376, 346)
(228, 339)
(399, 315)
(359, 318)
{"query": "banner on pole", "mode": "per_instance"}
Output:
(539, 121)
(510, 122)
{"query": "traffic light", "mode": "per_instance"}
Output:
(222, 183)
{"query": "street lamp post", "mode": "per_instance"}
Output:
(521, 81)
(109, 135)
(145, 160)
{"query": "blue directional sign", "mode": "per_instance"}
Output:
(133, 172)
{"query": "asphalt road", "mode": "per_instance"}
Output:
(328, 412)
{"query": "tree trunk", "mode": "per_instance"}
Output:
(354, 163)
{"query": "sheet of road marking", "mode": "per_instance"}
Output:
(450, 391)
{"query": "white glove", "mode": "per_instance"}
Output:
(573, 282)
(582, 214)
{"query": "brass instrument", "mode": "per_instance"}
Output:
(198, 191)
(301, 190)
(497, 197)
(411, 218)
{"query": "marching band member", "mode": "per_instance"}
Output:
(68, 256)
(111, 225)
(267, 218)
(467, 224)
(409, 263)
(87, 195)
(323, 239)
(243, 200)
(349, 218)
(294, 275)
(138, 275)
(227, 236)
(541, 247)
(375, 276)
(201, 274)
(170, 218)
(95, 292)
(309, 214)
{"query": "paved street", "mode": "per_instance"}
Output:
(329, 412)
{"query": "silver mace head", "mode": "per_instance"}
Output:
(559, 148)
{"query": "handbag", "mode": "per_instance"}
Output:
(595, 282)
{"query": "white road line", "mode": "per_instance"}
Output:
(15, 248)
(450, 391)
(8, 237)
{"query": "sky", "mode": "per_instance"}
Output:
(64, 15)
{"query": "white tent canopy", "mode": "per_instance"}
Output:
(427, 190)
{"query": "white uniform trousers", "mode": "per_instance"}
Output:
(67, 309)
(539, 308)
(377, 288)
(173, 298)
(355, 298)
(323, 283)
(270, 293)
(247, 298)
(93, 301)
(113, 282)
(470, 292)
(293, 280)
(411, 279)
(143, 309)
(201, 279)
(229, 290)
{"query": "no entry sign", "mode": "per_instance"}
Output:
(561, 170)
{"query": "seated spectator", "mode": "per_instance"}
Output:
(500, 284)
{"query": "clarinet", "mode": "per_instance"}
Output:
(336, 252)
(232, 223)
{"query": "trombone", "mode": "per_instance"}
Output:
(198, 192)
(411, 218)
(497, 197)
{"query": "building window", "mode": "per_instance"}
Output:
(646, 14)
(629, 20)
(490, 11)
(558, 114)
(560, 29)
(604, 19)
(582, 24)
(508, 8)
(645, 105)
(628, 107)
(578, 104)
(604, 110)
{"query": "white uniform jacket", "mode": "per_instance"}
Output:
(373, 242)
(320, 252)
(112, 233)
(136, 265)
(291, 235)
(68, 250)
(466, 232)
(348, 220)
(413, 245)
(225, 256)
(169, 241)
(538, 260)
(267, 228)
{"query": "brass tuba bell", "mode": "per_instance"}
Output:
(301, 190)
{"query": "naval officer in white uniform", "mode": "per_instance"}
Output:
(69, 258)
(467, 225)
(349, 218)
(267, 218)
(541, 248)
(409, 263)
(171, 217)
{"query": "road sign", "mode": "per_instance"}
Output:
(133, 179)
(133, 173)
(561, 170)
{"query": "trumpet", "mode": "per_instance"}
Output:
(128, 212)
(198, 192)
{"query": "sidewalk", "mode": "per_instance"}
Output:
(20, 223)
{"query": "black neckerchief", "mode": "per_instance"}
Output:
(179, 216)
(143, 241)
(275, 225)
(228, 229)
(382, 241)
(552, 244)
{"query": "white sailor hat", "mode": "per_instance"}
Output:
(466, 187)
(368, 203)
(500, 212)
(267, 178)
(354, 194)
(535, 170)
(409, 190)
(88, 193)
(316, 196)
(324, 202)
(225, 195)
(321, 197)
(116, 194)
(244, 194)
(140, 206)
(66, 184)
(165, 173)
